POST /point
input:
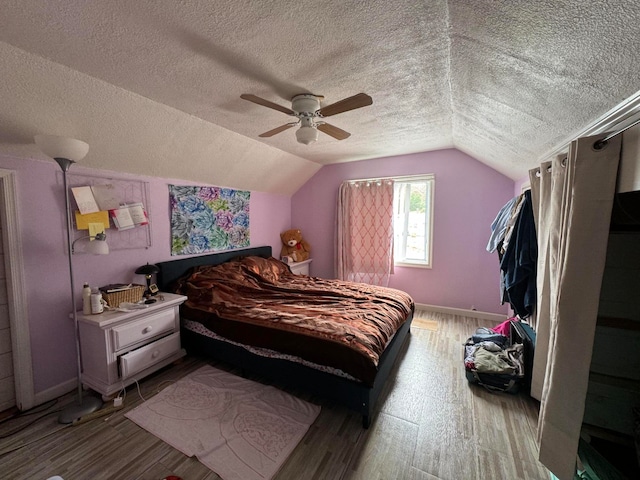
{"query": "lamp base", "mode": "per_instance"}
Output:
(76, 411)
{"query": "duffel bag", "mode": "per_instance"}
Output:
(496, 368)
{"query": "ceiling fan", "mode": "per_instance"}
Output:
(306, 108)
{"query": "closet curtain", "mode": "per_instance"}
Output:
(365, 232)
(574, 200)
(546, 202)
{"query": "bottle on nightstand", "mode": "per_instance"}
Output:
(86, 299)
(96, 302)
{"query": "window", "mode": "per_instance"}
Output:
(413, 220)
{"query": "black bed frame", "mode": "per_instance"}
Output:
(352, 394)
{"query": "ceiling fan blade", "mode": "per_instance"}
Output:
(266, 103)
(277, 130)
(357, 101)
(335, 132)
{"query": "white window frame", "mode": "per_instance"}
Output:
(429, 179)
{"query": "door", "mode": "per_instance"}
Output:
(16, 377)
(7, 382)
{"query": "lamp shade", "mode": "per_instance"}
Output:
(97, 247)
(147, 269)
(307, 135)
(62, 147)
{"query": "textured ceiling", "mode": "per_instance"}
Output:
(154, 86)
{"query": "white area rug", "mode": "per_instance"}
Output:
(240, 429)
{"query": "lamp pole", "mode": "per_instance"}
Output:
(87, 404)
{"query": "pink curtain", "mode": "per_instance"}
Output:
(365, 232)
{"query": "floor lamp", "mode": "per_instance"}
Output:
(66, 151)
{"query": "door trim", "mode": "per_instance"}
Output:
(16, 293)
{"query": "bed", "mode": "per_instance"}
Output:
(228, 317)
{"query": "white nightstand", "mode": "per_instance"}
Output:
(300, 268)
(119, 348)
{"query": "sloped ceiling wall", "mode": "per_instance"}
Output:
(527, 76)
(154, 86)
(129, 133)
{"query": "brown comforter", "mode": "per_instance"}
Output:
(259, 302)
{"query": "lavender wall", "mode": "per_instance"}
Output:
(468, 195)
(520, 185)
(41, 208)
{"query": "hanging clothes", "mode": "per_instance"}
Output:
(501, 230)
(515, 213)
(519, 262)
(501, 223)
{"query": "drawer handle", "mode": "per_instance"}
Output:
(147, 330)
(155, 354)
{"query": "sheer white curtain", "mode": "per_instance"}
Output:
(575, 198)
(365, 231)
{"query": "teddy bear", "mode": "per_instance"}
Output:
(294, 246)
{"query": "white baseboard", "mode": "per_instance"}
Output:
(496, 317)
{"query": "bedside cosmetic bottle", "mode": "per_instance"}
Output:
(96, 302)
(86, 299)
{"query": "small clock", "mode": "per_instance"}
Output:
(153, 288)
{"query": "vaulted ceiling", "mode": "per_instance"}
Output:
(154, 85)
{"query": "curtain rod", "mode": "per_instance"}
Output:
(601, 143)
(398, 178)
(372, 179)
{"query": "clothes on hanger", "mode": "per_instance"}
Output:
(513, 236)
(500, 224)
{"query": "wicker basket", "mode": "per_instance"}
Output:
(131, 295)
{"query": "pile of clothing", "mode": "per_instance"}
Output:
(489, 352)
(491, 360)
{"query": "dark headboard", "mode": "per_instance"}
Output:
(172, 270)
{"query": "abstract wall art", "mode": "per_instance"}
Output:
(208, 219)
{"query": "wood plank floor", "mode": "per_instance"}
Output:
(430, 425)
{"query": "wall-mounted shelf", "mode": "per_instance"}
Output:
(128, 191)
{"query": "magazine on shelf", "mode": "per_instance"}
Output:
(129, 216)
(85, 200)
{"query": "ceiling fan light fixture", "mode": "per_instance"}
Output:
(307, 135)
(306, 108)
(306, 105)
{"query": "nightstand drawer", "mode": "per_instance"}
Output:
(140, 330)
(137, 360)
(137, 342)
(300, 268)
